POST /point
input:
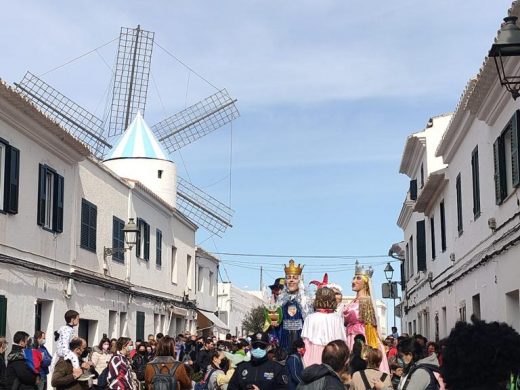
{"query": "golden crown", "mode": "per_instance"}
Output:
(292, 269)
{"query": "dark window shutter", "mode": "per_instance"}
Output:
(3, 315)
(421, 246)
(476, 182)
(118, 238)
(92, 227)
(403, 277)
(158, 250)
(139, 329)
(413, 189)
(146, 241)
(515, 168)
(432, 235)
(500, 171)
(84, 224)
(443, 226)
(88, 225)
(12, 180)
(458, 186)
(41, 194)
(58, 203)
(139, 238)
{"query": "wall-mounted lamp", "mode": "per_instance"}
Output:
(492, 223)
(130, 231)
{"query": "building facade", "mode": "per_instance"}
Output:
(462, 230)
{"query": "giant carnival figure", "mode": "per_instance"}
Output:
(360, 315)
(286, 316)
(322, 326)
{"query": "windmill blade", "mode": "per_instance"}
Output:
(202, 208)
(196, 121)
(83, 125)
(134, 56)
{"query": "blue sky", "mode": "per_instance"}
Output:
(328, 92)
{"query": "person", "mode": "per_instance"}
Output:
(391, 354)
(396, 373)
(64, 336)
(259, 373)
(113, 346)
(432, 347)
(65, 376)
(203, 359)
(17, 370)
(39, 341)
(322, 326)
(357, 363)
(371, 377)
(119, 367)
(215, 368)
(151, 338)
(481, 355)
(293, 308)
(327, 375)
(419, 370)
(140, 361)
(3, 348)
(294, 363)
(165, 362)
(360, 315)
(276, 289)
(395, 334)
(233, 360)
(101, 356)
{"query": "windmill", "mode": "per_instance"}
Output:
(129, 93)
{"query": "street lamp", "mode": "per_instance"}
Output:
(507, 45)
(130, 231)
(389, 273)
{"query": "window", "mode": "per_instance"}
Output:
(211, 284)
(118, 239)
(443, 226)
(421, 245)
(407, 261)
(422, 175)
(142, 248)
(158, 249)
(50, 199)
(432, 235)
(506, 159)
(9, 176)
(189, 274)
(458, 187)
(88, 225)
(200, 279)
(475, 300)
(37, 316)
(139, 325)
(174, 265)
(513, 309)
(462, 311)
(123, 324)
(413, 189)
(476, 182)
(410, 258)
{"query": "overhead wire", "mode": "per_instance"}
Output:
(301, 256)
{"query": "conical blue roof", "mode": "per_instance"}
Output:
(138, 141)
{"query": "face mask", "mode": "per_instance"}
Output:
(141, 352)
(258, 353)
(84, 354)
(130, 348)
(105, 347)
(42, 342)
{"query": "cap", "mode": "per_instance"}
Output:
(260, 339)
(278, 283)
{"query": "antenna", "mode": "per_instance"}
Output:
(196, 121)
(134, 56)
(83, 125)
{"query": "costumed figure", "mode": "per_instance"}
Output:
(338, 293)
(273, 311)
(360, 315)
(292, 308)
(322, 326)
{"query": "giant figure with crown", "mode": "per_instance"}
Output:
(287, 318)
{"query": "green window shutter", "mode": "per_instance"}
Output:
(443, 225)
(476, 182)
(92, 227)
(146, 241)
(41, 195)
(88, 225)
(458, 186)
(58, 203)
(515, 168)
(432, 235)
(139, 238)
(118, 238)
(158, 250)
(421, 245)
(12, 180)
(3, 315)
(403, 278)
(139, 329)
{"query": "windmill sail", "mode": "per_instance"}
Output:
(83, 125)
(202, 208)
(196, 121)
(134, 56)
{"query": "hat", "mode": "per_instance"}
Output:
(260, 339)
(278, 283)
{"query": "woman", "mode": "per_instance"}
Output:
(119, 368)
(164, 362)
(3, 348)
(360, 314)
(417, 367)
(294, 363)
(140, 361)
(357, 363)
(371, 377)
(215, 369)
(39, 344)
(101, 357)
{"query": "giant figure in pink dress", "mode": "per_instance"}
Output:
(360, 315)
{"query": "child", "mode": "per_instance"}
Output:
(65, 335)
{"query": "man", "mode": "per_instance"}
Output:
(327, 376)
(276, 289)
(65, 376)
(151, 338)
(259, 373)
(18, 375)
(395, 335)
(203, 359)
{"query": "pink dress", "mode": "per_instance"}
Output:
(319, 329)
(355, 326)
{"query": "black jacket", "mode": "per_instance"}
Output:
(202, 361)
(264, 373)
(320, 376)
(18, 369)
(2, 372)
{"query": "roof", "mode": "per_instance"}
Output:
(434, 185)
(415, 143)
(138, 141)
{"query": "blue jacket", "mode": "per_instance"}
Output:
(294, 365)
(46, 361)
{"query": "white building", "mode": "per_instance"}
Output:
(61, 207)
(381, 314)
(462, 230)
(233, 305)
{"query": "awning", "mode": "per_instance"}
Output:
(214, 319)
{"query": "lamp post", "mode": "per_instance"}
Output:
(130, 230)
(389, 273)
(507, 45)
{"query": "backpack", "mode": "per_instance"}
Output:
(203, 384)
(162, 380)
(365, 379)
(436, 382)
(102, 379)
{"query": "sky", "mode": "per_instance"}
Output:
(327, 91)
